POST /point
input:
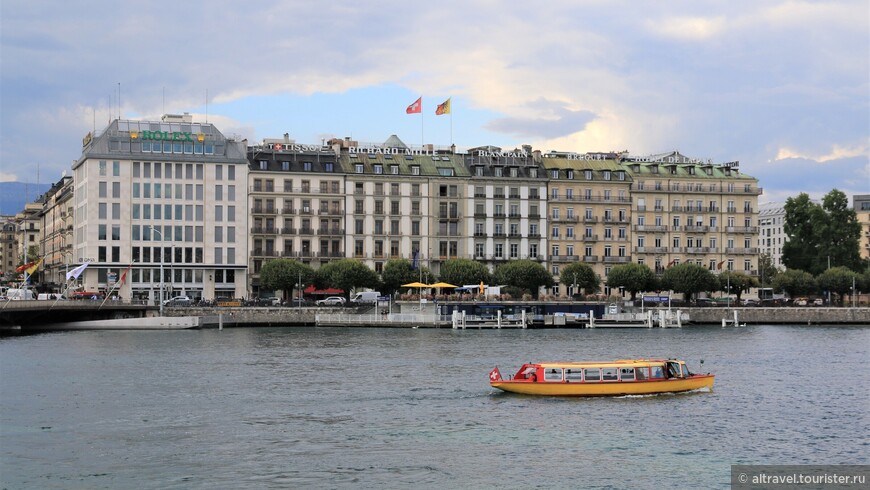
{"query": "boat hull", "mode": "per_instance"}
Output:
(611, 388)
(149, 323)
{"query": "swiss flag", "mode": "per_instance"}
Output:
(416, 107)
(495, 375)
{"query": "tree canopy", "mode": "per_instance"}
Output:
(525, 275)
(582, 275)
(460, 272)
(400, 271)
(735, 283)
(794, 282)
(838, 280)
(284, 274)
(689, 279)
(820, 236)
(632, 277)
(346, 274)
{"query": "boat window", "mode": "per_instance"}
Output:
(686, 372)
(573, 375)
(593, 374)
(673, 370)
(658, 372)
(626, 374)
(641, 373)
(552, 374)
(609, 374)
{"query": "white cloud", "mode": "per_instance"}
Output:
(837, 153)
(686, 28)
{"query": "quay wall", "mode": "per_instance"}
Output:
(283, 316)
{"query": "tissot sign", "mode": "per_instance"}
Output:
(167, 136)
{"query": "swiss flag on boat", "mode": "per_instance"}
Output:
(495, 375)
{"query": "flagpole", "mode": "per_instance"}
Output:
(422, 139)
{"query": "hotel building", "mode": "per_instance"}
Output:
(209, 211)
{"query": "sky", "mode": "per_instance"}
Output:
(781, 86)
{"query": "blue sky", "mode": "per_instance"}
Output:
(781, 86)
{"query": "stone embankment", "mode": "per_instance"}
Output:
(277, 316)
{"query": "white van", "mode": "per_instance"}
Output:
(19, 294)
(365, 297)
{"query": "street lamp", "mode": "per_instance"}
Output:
(155, 230)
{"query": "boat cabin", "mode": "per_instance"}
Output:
(590, 372)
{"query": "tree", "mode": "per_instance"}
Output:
(735, 283)
(526, 275)
(837, 280)
(840, 232)
(802, 217)
(766, 268)
(689, 279)
(820, 236)
(632, 277)
(284, 275)
(397, 272)
(464, 271)
(346, 274)
(582, 276)
(794, 282)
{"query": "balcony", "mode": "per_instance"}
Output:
(288, 210)
(259, 252)
(264, 230)
(590, 259)
(263, 210)
(742, 251)
(288, 231)
(590, 219)
(306, 231)
(617, 260)
(741, 229)
(657, 228)
(697, 229)
(589, 238)
(332, 231)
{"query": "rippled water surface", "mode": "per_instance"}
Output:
(327, 408)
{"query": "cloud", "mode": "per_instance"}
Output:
(685, 28)
(546, 119)
(837, 153)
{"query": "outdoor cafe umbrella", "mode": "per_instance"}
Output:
(415, 285)
(442, 285)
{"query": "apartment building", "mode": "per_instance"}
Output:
(771, 237)
(162, 205)
(506, 206)
(296, 199)
(589, 204)
(687, 210)
(861, 205)
(56, 241)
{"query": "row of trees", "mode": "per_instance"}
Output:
(526, 277)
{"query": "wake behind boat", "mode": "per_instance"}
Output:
(615, 378)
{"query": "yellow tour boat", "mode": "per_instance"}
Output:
(615, 378)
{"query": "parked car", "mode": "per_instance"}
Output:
(331, 301)
(819, 302)
(178, 301)
(750, 302)
(801, 302)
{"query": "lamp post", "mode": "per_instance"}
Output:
(574, 287)
(155, 230)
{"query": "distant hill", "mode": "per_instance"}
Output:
(14, 195)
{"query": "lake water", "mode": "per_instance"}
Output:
(397, 408)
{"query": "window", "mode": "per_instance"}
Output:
(609, 374)
(592, 374)
(626, 374)
(553, 374)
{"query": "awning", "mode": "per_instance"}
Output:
(327, 291)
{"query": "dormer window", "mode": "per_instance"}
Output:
(654, 169)
(394, 169)
(379, 169)
(607, 175)
(415, 170)
(570, 175)
(587, 174)
(358, 168)
(554, 174)
(620, 175)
